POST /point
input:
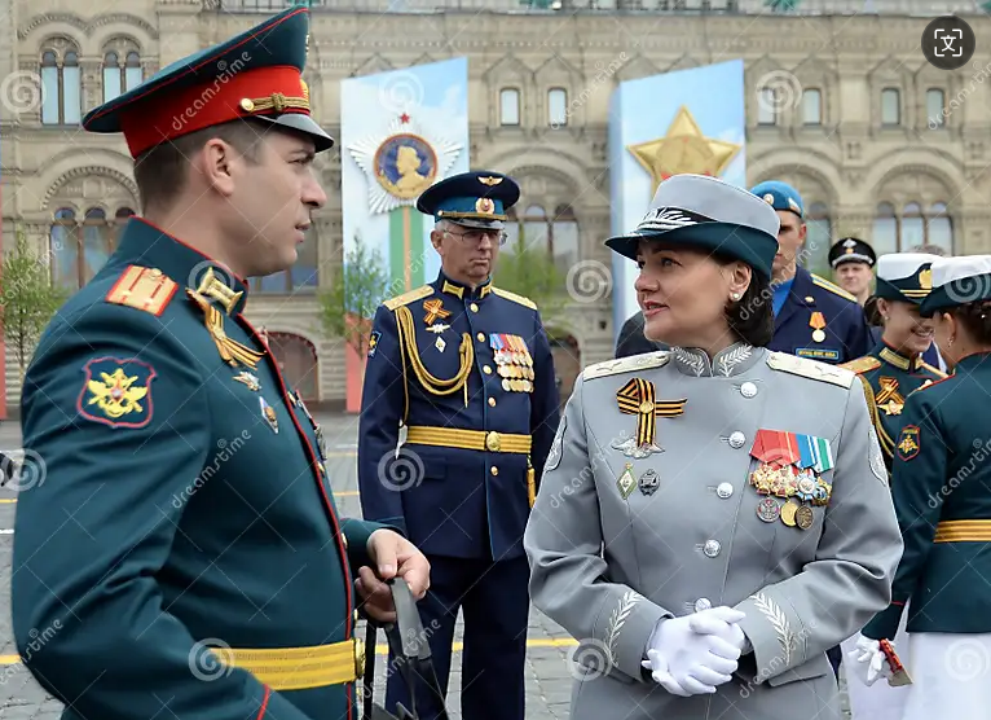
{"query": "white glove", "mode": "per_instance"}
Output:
(690, 655)
(871, 662)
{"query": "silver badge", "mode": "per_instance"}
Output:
(554, 456)
(877, 459)
(649, 482)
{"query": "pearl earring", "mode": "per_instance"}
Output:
(735, 296)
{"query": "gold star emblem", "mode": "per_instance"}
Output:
(683, 150)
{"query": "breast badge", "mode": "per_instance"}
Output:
(649, 482)
(818, 323)
(268, 413)
(249, 380)
(888, 398)
(513, 361)
(790, 467)
(638, 397)
(626, 482)
(117, 392)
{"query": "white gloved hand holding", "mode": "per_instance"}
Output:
(692, 655)
(870, 661)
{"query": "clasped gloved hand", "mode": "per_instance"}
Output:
(694, 654)
(870, 662)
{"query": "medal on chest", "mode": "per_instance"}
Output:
(638, 398)
(790, 468)
(888, 398)
(817, 322)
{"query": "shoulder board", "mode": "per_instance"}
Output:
(143, 288)
(646, 361)
(810, 369)
(527, 302)
(407, 298)
(835, 289)
(934, 370)
(862, 364)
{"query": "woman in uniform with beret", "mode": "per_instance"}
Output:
(712, 518)
(941, 486)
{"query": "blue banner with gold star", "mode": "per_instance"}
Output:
(688, 121)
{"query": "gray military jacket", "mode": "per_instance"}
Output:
(636, 522)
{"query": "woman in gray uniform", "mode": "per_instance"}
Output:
(711, 518)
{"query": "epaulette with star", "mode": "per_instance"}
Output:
(646, 361)
(409, 297)
(862, 364)
(525, 301)
(143, 288)
(810, 369)
(835, 289)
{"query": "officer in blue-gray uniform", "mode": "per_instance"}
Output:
(814, 318)
(458, 414)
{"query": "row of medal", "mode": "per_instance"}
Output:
(796, 486)
(513, 362)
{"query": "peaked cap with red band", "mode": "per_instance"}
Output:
(257, 74)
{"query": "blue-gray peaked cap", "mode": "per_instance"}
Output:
(708, 214)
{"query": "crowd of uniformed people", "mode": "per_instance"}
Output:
(776, 479)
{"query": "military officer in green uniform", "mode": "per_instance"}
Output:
(178, 545)
(895, 366)
(940, 485)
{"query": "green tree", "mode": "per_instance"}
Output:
(28, 298)
(359, 286)
(531, 272)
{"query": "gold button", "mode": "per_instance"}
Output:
(487, 370)
(356, 616)
(481, 337)
(247, 105)
(491, 402)
(493, 442)
(494, 470)
(474, 307)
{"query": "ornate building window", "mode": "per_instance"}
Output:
(121, 71)
(509, 107)
(935, 108)
(79, 249)
(891, 107)
(61, 83)
(818, 238)
(767, 113)
(812, 107)
(303, 277)
(557, 107)
(558, 234)
(913, 226)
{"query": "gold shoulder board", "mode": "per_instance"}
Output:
(143, 288)
(527, 302)
(934, 370)
(835, 289)
(862, 364)
(810, 368)
(646, 361)
(407, 298)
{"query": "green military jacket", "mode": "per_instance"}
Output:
(889, 377)
(177, 542)
(941, 492)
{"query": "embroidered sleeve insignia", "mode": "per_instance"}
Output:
(117, 392)
(909, 443)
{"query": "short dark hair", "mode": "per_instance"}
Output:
(751, 318)
(976, 319)
(161, 172)
(872, 313)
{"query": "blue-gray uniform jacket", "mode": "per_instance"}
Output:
(459, 409)
(821, 321)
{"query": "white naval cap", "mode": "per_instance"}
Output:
(958, 281)
(899, 266)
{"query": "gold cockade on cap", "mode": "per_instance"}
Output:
(490, 181)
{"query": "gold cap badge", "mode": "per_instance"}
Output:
(485, 206)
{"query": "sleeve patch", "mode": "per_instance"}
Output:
(909, 442)
(117, 392)
(373, 343)
(555, 454)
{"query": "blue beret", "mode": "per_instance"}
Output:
(473, 199)
(257, 74)
(780, 196)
